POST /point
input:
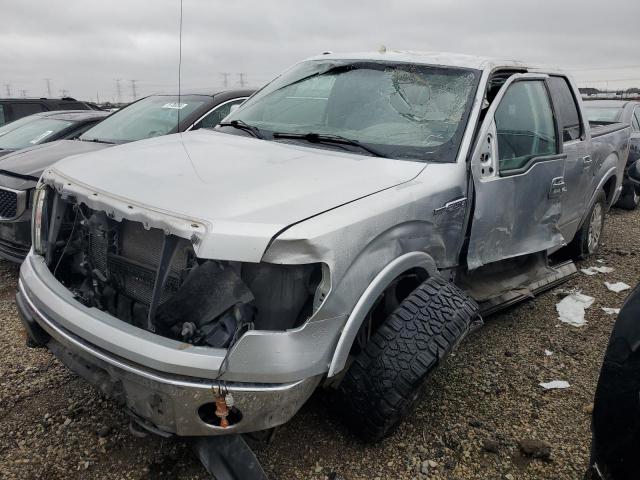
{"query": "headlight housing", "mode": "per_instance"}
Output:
(39, 220)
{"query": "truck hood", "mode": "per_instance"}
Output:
(34, 160)
(244, 191)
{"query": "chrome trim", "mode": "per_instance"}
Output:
(21, 202)
(216, 108)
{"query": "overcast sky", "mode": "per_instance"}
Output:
(83, 46)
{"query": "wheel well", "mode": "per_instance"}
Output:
(610, 188)
(398, 289)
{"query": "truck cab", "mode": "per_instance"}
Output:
(346, 226)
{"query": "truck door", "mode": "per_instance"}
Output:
(518, 175)
(579, 168)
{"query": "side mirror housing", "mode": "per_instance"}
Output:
(634, 173)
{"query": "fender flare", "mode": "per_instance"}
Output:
(377, 286)
(605, 178)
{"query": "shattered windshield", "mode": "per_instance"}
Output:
(150, 117)
(402, 110)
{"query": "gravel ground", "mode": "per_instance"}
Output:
(476, 410)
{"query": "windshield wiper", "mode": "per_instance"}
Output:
(97, 140)
(242, 125)
(312, 137)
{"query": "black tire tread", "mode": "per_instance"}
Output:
(384, 382)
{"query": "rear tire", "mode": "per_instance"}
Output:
(384, 383)
(588, 238)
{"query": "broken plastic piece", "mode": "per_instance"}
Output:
(548, 353)
(617, 286)
(571, 308)
(611, 311)
(554, 384)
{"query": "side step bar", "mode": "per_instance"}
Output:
(563, 272)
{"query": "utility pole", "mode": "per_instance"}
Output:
(133, 89)
(8, 87)
(241, 77)
(23, 93)
(225, 77)
(119, 90)
(48, 81)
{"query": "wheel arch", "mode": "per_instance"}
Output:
(399, 266)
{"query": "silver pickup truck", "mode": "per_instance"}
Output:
(347, 226)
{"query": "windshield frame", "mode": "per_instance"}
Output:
(446, 152)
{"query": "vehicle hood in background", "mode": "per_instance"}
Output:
(244, 190)
(34, 160)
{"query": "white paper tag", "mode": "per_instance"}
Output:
(175, 106)
(41, 137)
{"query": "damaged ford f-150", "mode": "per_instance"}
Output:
(347, 226)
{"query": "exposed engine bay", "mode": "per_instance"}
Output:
(155, 281)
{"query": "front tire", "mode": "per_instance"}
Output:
(588, 238)
(384, 383)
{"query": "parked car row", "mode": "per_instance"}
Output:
(149, 117)
(12, 109)
(345, 227)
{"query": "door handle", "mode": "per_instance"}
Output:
(587, 162)
(558, 187)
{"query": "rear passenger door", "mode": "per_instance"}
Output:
(579, 168)
(518, 175)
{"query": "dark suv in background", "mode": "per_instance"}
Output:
(12, 109)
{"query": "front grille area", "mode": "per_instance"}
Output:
(8, 204)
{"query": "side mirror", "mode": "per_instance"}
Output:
(634, 173)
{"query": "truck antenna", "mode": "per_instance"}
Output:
(180, 68)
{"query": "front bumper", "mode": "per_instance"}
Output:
(168, 403)
(15, 240)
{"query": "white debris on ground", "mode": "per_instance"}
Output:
(554, 384)
(594, 270)
(617, 286)
(611, 311)
(571, 308)
(548, 353)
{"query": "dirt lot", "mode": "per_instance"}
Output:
(53, 425)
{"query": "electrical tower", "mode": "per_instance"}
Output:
(225, 77)
(8, 88)
(118, 90)
(23, 92)
(48, 82)
(133, 89)
(64, 92)
(241, 79)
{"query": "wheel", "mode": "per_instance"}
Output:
(629, 199)
(384, 383)
(587, 239)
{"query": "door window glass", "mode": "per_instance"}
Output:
(218, 114)
(525, 126)
(566, 108)
(636, 120)
(23, 109)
